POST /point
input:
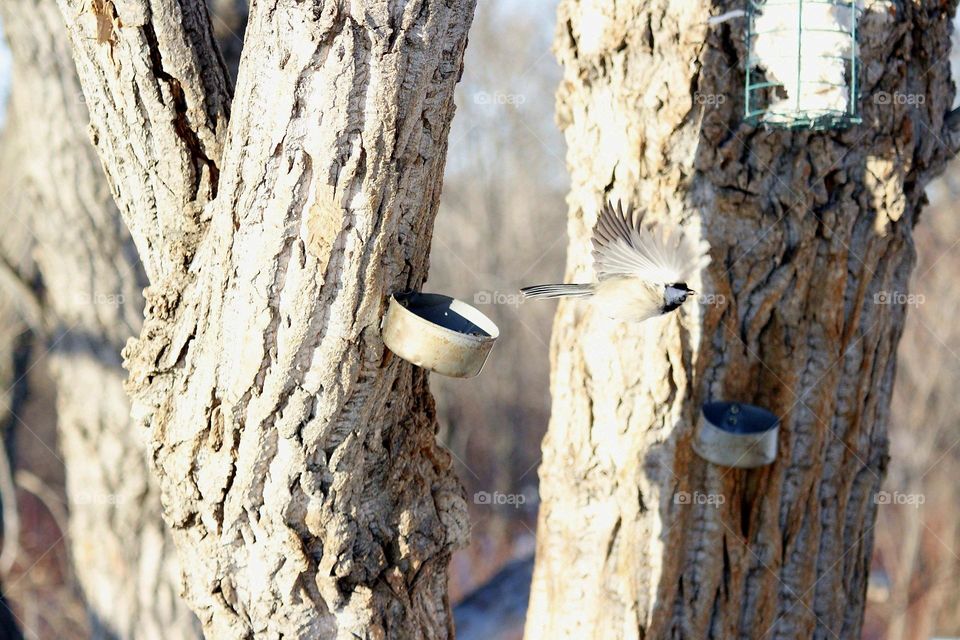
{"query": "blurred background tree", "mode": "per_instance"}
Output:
(71, 270)
(498, 229)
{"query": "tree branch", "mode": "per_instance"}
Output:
(159, 98)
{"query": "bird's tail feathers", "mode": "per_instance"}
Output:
(558, 291)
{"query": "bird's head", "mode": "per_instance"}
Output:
(676, 294)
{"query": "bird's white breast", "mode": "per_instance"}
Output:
(628, 299)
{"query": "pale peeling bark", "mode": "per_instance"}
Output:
(91, 304)
(805, 229)
(307, 494)
(159, 98)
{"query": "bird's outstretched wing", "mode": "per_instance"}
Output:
(623, 246)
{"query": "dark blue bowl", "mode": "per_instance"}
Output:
(737, 417)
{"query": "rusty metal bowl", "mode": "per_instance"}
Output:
(734, 434)
(438, 333)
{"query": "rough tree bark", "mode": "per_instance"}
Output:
(89, 306)
(297, 460)
(805, 228)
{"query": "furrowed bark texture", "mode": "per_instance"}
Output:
(806, 229)
(91, 304)
(300, 473)
(159, 95)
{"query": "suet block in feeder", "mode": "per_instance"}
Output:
(438, 333)
(803, 63)
(733, 434)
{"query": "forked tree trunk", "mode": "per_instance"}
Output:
(91, 304)
(300, 475)
(806, 229)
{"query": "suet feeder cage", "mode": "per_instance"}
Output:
(734, 434)
(438, 333)
(803, 63)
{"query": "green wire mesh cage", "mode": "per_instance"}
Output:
(803, 63)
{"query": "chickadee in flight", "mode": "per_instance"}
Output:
(642, 271)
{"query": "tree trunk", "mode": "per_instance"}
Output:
(16, 345)
(806, 229)
(18, 281)
(297, 460)
(91, 304)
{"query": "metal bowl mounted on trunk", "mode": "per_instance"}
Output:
(733, 434)
(438, 333)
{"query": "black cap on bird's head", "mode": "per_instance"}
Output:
(675, 294)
